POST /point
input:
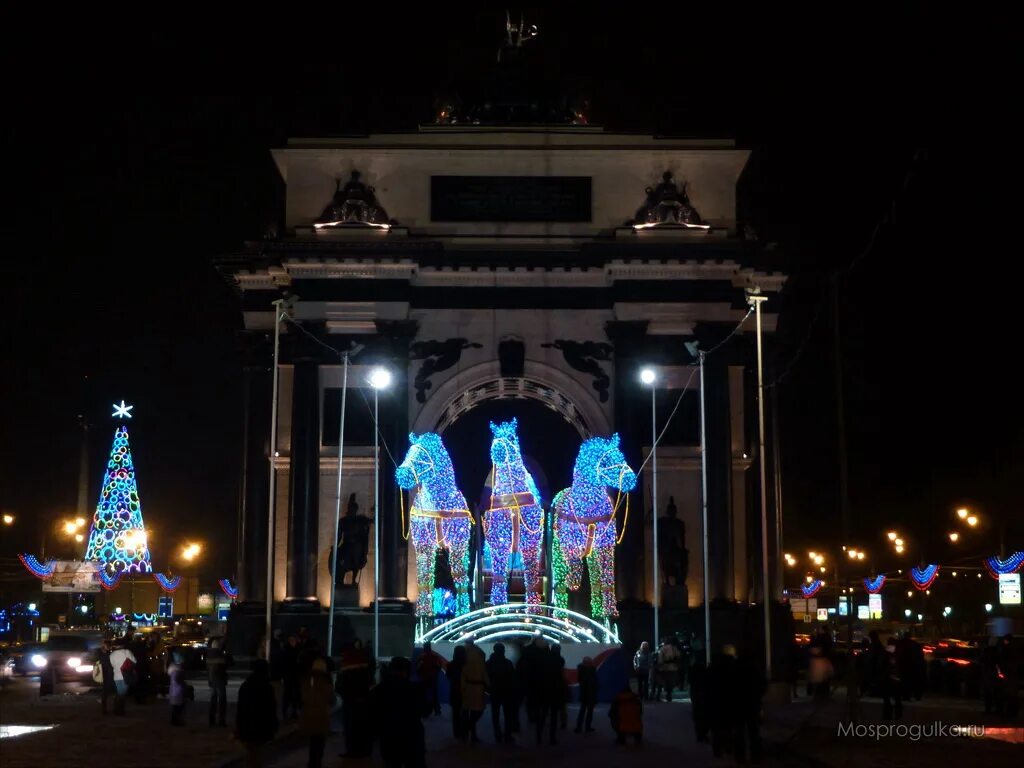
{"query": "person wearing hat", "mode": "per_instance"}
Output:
(317, 693)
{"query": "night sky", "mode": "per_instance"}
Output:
(134, 160)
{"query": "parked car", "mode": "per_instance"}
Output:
(190, 640)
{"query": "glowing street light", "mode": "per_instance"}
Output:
(972, 520)
(70, 528)
(380, 378)
(892, 535)
(79, 538)
(907, 612)
(8, 519)
(898, 542)
(899, 550)
(962, 513)
(954, 537)
(648, 376)
(191, 551)
(988, 607)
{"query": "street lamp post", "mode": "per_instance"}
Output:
(648, 376)
(757, 300)
(380, 378)
(278, 308)
(337, 511)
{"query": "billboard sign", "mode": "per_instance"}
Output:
(73, 576)
(1009, 589)
(875, 606)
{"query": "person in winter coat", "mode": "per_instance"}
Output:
(474, 686)
(454, 672)
(355, 677)
(892, 685)
(586, 675)
(107, 672)
(317, 693)
(700, 698)
(668, 668)
(642, 669)
(123, 663)
(398, 707)
(502, 677)
(627, 716)
(217, 676)
(428, 670)
(256, 716)
(176, 692)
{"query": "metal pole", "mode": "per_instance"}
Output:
(777, 481)
(654, 516)
(376, 531)
(337, 511)
(704, 517)
(273, 480)
(765, 591)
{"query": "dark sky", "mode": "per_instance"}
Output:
(133, 159)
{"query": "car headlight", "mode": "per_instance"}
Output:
(38, 660)
(74, 661)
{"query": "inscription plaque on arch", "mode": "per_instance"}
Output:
(510, 198)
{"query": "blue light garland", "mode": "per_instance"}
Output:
(439, 518)
(37, 569)
(996, 566)
(810, 590)
(110, 581)
(515, 520)
(584, 525)
(228, 589)
(117, 537)
(874, 586)
(922, 578)
(169, 585)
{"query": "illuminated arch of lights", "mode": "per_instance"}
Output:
(36, 568)
(922, 578)
(228, 588)
(110, 581)
(996, 566)
(810, 590)
(169, 585)
(497, 622)
(874, 586)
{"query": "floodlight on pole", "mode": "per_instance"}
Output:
(379, 379)
(649, 376)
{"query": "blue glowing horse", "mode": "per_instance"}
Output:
(584, 524)
(439, 518)
(515, 521)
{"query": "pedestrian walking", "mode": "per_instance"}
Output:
(256, 714)
(549, 694)
(176, 691)
(474, 686)
(217, 678)
(399, 707)
(892, 685)
(317, 693)
(290, 673)
(428, 670)
(668, 668)
(122, 662)
(560, 702)
(626, 715)
(530, 671)
(586, 676)
(355, 678)
(642, 669)
(501, 675)
(454, 673)
(106, 681)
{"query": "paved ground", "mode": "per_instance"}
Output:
(800, 733)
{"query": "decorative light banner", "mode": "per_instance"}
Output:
(110, 581)
(874, 586)
(228, 589)
(996, 566)
(810, 590)
(169, 585)
(37, 569)
(923, 577)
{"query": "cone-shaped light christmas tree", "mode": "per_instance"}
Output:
(117, 538)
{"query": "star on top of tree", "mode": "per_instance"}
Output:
(121, 411)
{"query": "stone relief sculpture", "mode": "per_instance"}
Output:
(354, 205)
(584, 356)
(667, 205)
(436, 356)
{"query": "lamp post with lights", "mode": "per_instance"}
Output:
(380, 378)
(649, 377)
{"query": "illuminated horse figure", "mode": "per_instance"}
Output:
(515, 521)
(438, 519)
(584, 524)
